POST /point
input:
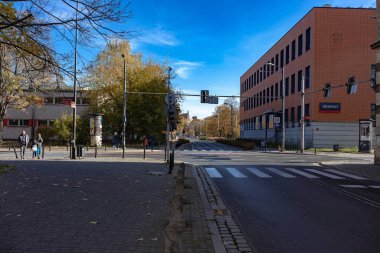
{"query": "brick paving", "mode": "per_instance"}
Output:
(87, 206)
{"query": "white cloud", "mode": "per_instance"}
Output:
(158, 36)
(184, 68)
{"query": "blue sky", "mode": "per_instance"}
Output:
(211, 43)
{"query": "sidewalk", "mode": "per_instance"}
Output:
(87, 206)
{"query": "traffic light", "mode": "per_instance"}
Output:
(352, 85)
(327, 90)
(204, 96)
(373, 76)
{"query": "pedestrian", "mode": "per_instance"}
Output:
(23, 140)
(39, 142)
(146, 142)
(34, 149)
(115, 141)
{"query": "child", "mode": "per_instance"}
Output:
(34, 149)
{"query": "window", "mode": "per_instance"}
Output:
(13, 122)
(271, 93)
(24, 122)
(292, 116)
(276, 62)
(281, 89)
(282, 58)
(261, 98)
(264, 97)
(293, 84)
(258, 77)
(48, 100)
(293, 50)
(268, 95)
(287, 54)
(308, 39)
(261, 74)
(300, 43)
(307, 77)
(265, 71)
(299, 80)
(286, 117)
(276, 91)
(287, 87)
(272, 66)
(307, 110)
(299, 114)
(254, 79)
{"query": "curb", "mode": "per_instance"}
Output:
(225, 233)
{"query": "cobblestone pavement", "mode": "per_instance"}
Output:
(87, 206)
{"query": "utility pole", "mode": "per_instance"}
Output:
(167, 122)
(303, 115)
(124, 104)
(376, 46)
(283, 111)
(73, 138)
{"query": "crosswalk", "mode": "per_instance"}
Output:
(271, 172)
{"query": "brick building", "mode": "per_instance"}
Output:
(328, 45)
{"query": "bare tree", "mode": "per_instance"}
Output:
(28, 56)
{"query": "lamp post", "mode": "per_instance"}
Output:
(73, 138)
(124, 104)
(282, 106)
(303, 115)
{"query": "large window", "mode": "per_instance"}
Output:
(268, 95)
(299, 80)
(287, 87)
(293, 84)
(271, 93)
(272, 66)
(292, 116)
(13, 122)
(286, 117)
(281, 89)
(264, 97)
(254, 79)
(287, 54)
(300, 44)
(276, 62)
(265, 72)
(307, 77)
(308, 39)
(276, 91)
(293, 50)
(282, 58)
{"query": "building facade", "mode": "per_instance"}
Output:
(56, 104)
(328, 45)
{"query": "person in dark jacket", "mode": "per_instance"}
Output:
(39, 142)
(23, 140)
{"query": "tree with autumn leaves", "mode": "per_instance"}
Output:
(144, 79)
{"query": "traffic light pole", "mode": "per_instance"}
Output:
(303, 115)
(167, 124)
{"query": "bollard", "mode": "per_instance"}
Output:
(96, 151)
(144, 151)
(67, 147)
(171, 162)
(315, 151)
(43, 151)
(49, 145)
(14, 148)
(105, 147)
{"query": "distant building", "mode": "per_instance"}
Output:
(328, 45)
(57, 103)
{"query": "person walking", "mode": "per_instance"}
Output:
(39, 142)
(34, 149)
(23, 140)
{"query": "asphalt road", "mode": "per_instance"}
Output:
(287, 203)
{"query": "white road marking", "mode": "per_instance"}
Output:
(374, 186)
(295, 161)
(281, 173)
(214, 173)
(258, 173)
(299, 172)
(353, 186)
(234, 172)
(325, 174)
(345, 174)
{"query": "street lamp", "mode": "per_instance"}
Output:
(232, 127)
(73, 138)
(124, 104)
(282, 106)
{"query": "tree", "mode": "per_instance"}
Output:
(27, 56)
(145, 113)
(62, 128)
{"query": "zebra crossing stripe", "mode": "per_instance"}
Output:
(234, 172)
(325, 174)
(345, 174)
(213, 172)
(353, 186)
(375, 186)
(258, 173)
(301, 173)
(280, 173)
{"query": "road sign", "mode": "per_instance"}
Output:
(276, 120)
(72, 104)
(277, 124)
(213, 100)
(170, 99)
